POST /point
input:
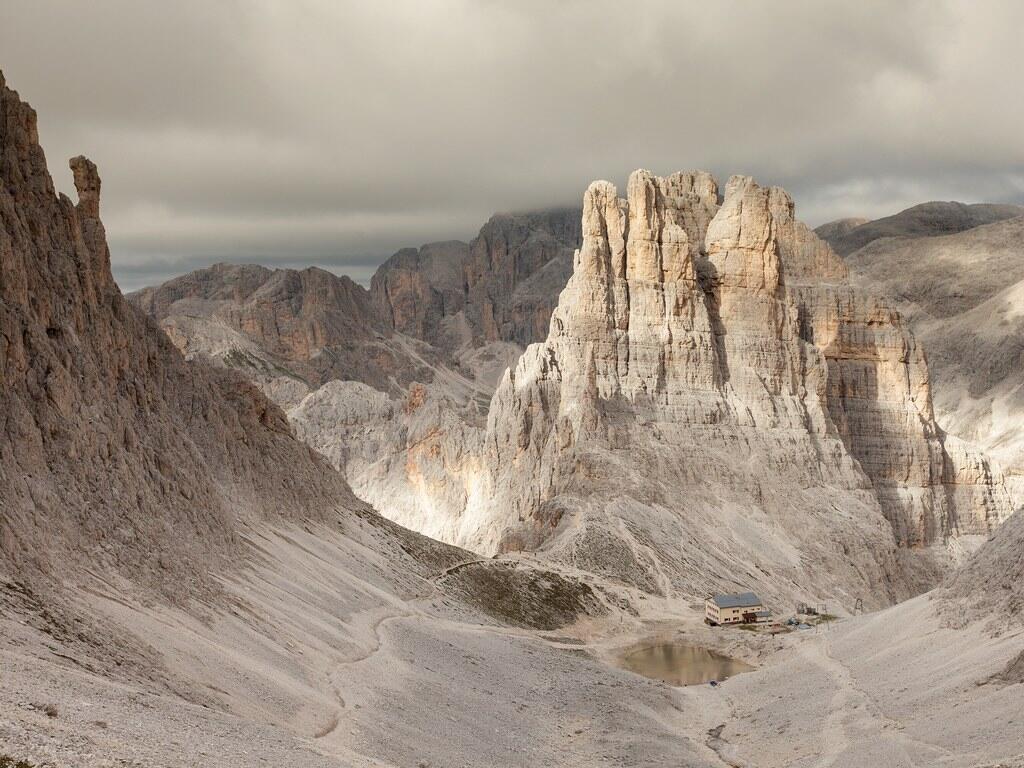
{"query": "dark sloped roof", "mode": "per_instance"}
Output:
(745, 600)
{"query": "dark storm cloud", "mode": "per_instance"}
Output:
(336, 132)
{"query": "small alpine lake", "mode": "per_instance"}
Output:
(679, 663)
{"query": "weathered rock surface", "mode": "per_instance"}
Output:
(698, 329)
(115, 453)
(517, 266)
(501, 287)
(961, 294)
(287, 329)
(933, 487)
(712, 393)
(419, 291)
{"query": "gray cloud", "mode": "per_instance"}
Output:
(336, 132)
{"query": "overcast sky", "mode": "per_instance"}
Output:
(334, 133)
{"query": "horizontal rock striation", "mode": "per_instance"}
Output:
(288, 330)
(932, 486)
(955, 273)
(714, 357)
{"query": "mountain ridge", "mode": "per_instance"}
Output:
(182, 581)
(845, 369)
(92, 388)
(961, 292)
(922, 220)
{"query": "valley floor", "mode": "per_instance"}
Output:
(398, 673)
(890, 689)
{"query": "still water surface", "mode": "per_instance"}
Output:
(682, 664)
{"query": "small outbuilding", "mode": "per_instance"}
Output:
(745, 608)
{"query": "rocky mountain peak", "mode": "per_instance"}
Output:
(734, 324)
(116, 454)
(87, 182)
(932, 219)
(655, 233)
(500, 287)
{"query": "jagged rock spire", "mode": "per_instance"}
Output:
(721, 351)
(87, 182)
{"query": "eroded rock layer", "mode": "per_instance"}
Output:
(956, 275)
(115, 454)
(501, 287)
(288, 330)
(711, 361)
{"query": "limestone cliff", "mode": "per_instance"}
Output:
(517, 264)
(288, 330)
(501, 287)
(712, 394)
(419, 290)
(737, 318)
(115, 454)
(956, 274)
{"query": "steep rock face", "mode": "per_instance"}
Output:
(931, 486)
(961, 294)
(287, 329)
(418, 290)
(692, 335)
(674, 403)
(771, 287)
(115, 453)
(501, 287)
(503, 303)
(710, 376)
